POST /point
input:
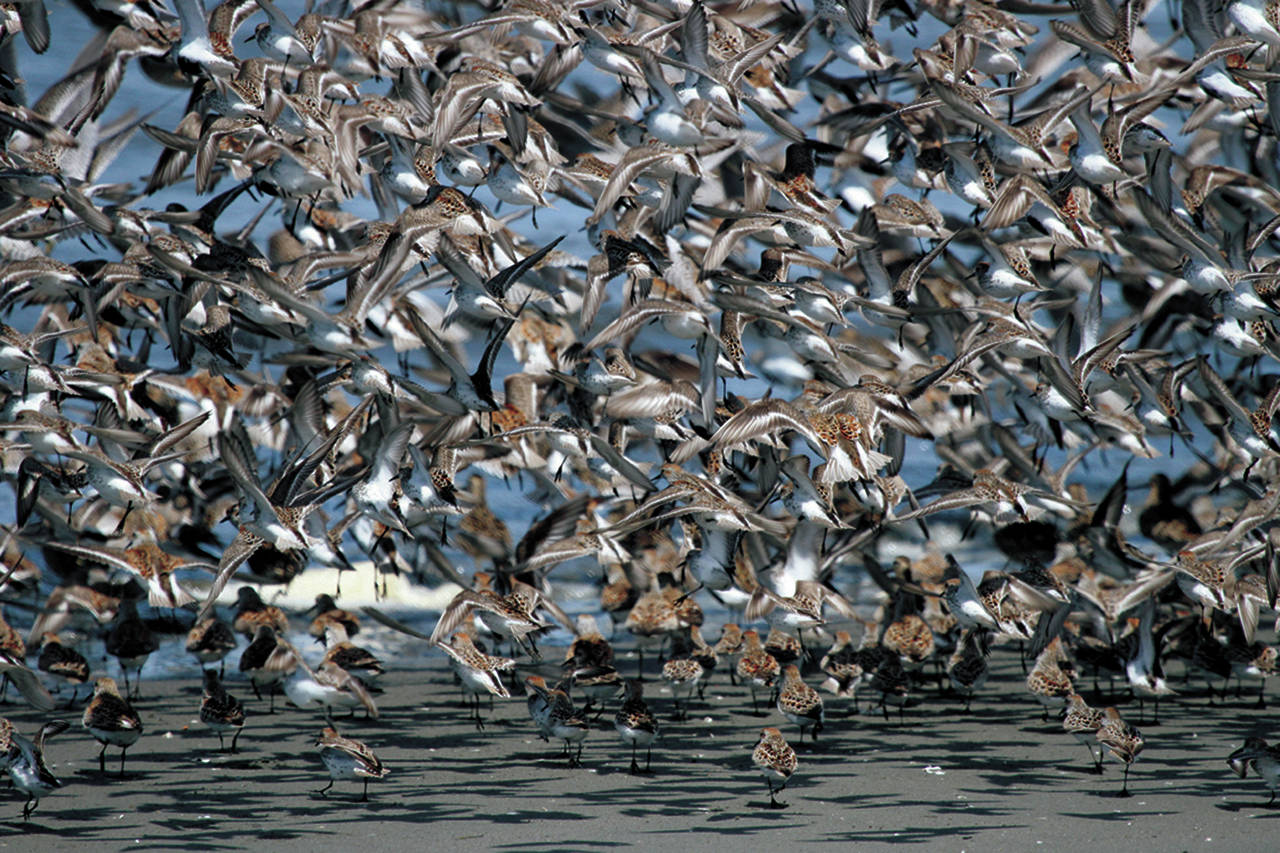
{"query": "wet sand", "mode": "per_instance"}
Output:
(996, 779)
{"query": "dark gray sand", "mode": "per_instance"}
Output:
(995, 779)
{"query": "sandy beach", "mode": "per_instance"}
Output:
(997, 778)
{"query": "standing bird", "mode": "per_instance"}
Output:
(347, 758)
(1083, 722)
(358, 661)
(683, 673)
(729, 647)
(1050, 679)
(327, 611)
(478, 672)
(63, 662)
(25, 763)
(776, 760)
(221, 711)
(552, 711)
(800, 703)
(892, 682)
(131, 642)
(111, 720)
(967, 666)
(211, 640)
(268, 662)
(1265, 761)
(328, 686)
(636, 724)
(844, 667)
(252, 611)
(1124, 741)
(756, 666)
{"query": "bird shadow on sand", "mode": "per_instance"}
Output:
(1115, 811)
(53, 822)
(565, 844)
(97, 778)
(915, 834)
(1261, 809)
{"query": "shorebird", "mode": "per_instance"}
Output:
(25, 763)
(349, 657)
(1050, 679)
(131, 642)
(800, 703)
(803, 609)
(1264, 759)
(1143, 666)
(328, 686)
(148, 562)
(221, 711)
(636, 725)
(111, 720)
(1083, 723)
(253, 613)
(328, 613)
(268, 662)
(347, 758)
(552, 711)
(513, 616)
(202, 360)
(844, 667)
(480, 673)
(281, 509)
(63, 662)
(684, 673)
(777, 762)
(967, 667)
(1122, 740)
(756, 667)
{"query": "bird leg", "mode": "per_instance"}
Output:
(773, 800)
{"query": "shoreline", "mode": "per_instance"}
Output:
(997, 778)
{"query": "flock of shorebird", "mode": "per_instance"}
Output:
(1018, 240)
